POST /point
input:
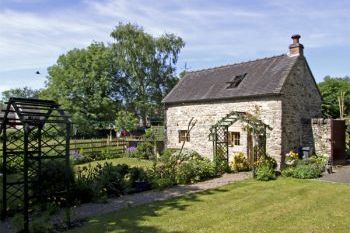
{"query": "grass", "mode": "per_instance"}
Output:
(284, 205)
(132, 162)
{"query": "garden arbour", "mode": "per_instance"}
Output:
(219, 135)
(33, 132)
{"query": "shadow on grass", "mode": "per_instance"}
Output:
(137, 218)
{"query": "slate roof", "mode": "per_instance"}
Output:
(263, 77)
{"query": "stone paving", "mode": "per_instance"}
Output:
(341, 174)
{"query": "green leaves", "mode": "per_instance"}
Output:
(330, 88)
(148, 65)
(125, 120)
(134, 73)
(25, 92)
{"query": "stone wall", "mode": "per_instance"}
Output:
(301, 101)
(207, 114)
(321, 129)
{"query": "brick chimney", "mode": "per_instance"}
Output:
(296, 49)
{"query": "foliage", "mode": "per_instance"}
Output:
(53, 180)
(220, 161)
(181, 168)
(147, 65)
(266, 160)
(24, 92)
(265, 168)
(292, 156)
(106, 180)
(145, 150)
(17, 222)
(330, 88)
(240, 163)
(125, 120)
(306, 169)
(303, 171)
(83, 82)
(194, 170)
(265, 173)
(40, 224)
(133, 73)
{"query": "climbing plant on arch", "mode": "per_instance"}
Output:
(219, 134)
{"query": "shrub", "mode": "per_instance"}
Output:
(220, 161)
(53, 179)
(184, 168)
(107, 180)
(303, 171)
(145, 150)
(112, 180)
(194, 170)
(240, 163)
(265, 173)
(265, 168)
(162, 182)
(266, 160)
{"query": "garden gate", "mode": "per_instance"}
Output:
(219, 134)
(32, 132)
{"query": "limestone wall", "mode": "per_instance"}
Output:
(301, 102)
(321, 129)
(207, 114)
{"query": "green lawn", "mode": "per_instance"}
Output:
(132, 162)
(284, 205)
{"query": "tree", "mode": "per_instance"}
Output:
(83, 82)
(25, 92)
(331, 89)
(125, 120)
(148, 66)
(134, 74)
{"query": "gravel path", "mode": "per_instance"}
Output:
(341, 174)
(93, 209)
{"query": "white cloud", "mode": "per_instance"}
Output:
(215, 32)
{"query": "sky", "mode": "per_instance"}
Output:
(33, 33)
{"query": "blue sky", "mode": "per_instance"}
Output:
(33, 33)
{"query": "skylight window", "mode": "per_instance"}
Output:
(236, 81)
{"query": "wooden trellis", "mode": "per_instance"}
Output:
(32, 131)
(219, 133)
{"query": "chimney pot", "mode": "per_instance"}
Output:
(296, 49)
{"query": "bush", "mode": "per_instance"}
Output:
(266, 160)
(307, 168)
(80, 157)
(265, 168)
(220, 161)
(303, 171)
(175, 168)
(240, 163)
(107, 180)
(53, 179)
(194, 170)
(265, 173)
(145, 150)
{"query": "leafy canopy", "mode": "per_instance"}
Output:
(24, 92)
(125, 120)
(133, 73)
(82, 82)
(147, 65)
(330, 88)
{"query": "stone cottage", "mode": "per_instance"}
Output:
(281, 91)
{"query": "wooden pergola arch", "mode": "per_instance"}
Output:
(32, 131)
(219, 134)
